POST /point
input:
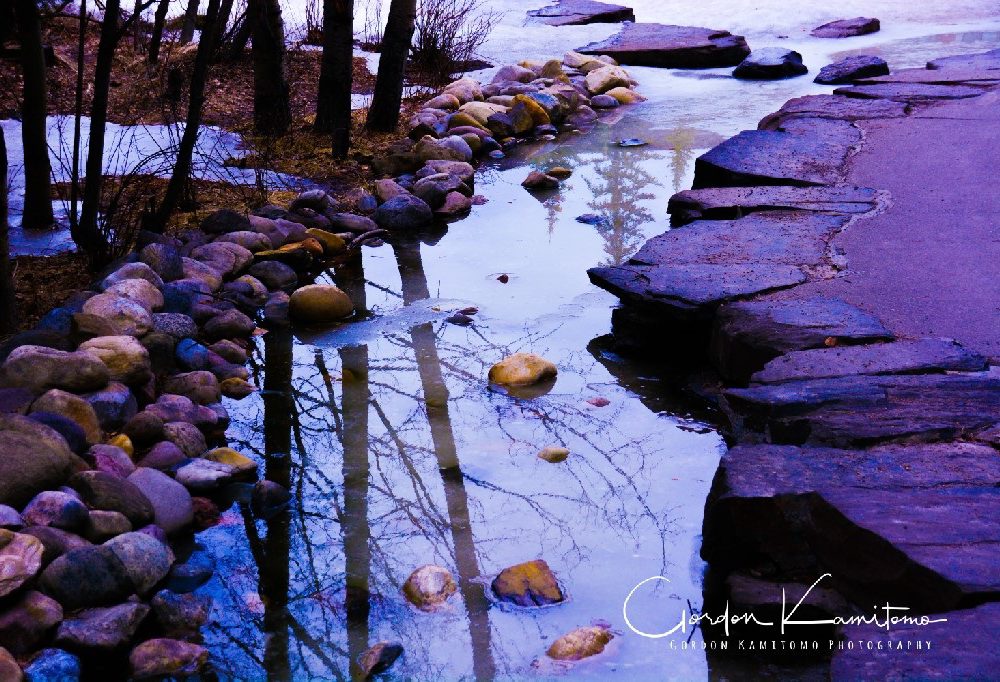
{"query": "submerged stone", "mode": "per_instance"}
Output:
(580, 643)
(429, 587)
(522, 369)
(529, 584)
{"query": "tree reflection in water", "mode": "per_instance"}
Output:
(398, 456)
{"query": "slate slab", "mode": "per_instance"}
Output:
(847, 28)
(576, 12)
(812, 153)
(898, 357)
(665, 45)
(832, 106)
(747, 334)
(728, 203)
(979, 60)
(881, 521)
(969, 75)
(910, 92)
(852, 68)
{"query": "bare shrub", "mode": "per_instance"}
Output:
(371, 35)
(314, 22)
(448, 33)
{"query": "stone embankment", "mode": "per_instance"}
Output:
(840, 266)
(112, 419)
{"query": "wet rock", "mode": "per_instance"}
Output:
(522, 369)
(433, 189)
(38, 369)
(163, 456)
(605, 78)
(582, 116)
(88, 576)
(178, 408)
(180, 615)
(540, 181)
(230, 351)
(671, 46)
(10, 519)
(553, 454)
(197, 275)
(185, 436)
(451, 148)
(963, 648)
(748, 334)
(165, 261)
(55, 542)
(429, 587)
(603, 102)
(202, 475)
(114, 405)
(132, 271)
(575, 12)
(379, 658)
(146, 560)
(20, 560)
(35, 458)
(898, 357)
(126, 317)
(515, 73)
(25, 622)
(53, 664)
(386, 189)
(250, 240)
(972, 76)
(319, 303)
(812, 155)
(104, 525)
(229, 324)
(200, 387)
(851, 69)
(403, 212)
(171, 502)
(333, 244)
(455, 205)
(770, 63)
(140, 291)
(852, 410)
(71, 432)
(56, 509)
(190, 575)
(102, 629)
(807, 511)
(624, 95)
(269, 497)
(144, 429)
(225, 258)
(846, 28)
(126, 358)
(9, 669)
(101, 490)
(243, 467)
(72, 407)
(910, 92)
(224, 221)
(529, 584)
(157, 658)
(729, 203)
(982, 60)
(276, 313)
(111, 459)
(580, 643)
(274, 275)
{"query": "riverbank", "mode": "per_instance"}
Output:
(820, 259)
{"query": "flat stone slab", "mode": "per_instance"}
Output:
(575, 12)
(851, 69)
(814, 153)
(858, 410)
(979, 60)
(832, 106)
(711, 261)
(882, 521)
(728, 203)
(847, 28)
(963, 648)
(910, 92)
(665, 45)
(959, 75)
(748, 334)
(898, 357)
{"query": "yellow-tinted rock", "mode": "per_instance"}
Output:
(481, 111)
(319, 303)
(559, 172)
(529, 584)
(124, 442)
(461, 118)
(332, 243)
(429, 587)
(242, 465)
(474, 141)
(605, 78)
(551, 69)
(625, 95)
(74, 408)
(580, 643)
(236, 388)
(554, 454)
(522, 369)
(535, 110)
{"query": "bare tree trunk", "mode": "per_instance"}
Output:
(8, 319)
(225, 14)
(74, 185)
(182, 167)
(333, 102)
(242, 30)
(88, 235)
(37, 170)
(190, 18)
(156, 37)
(271, 113)
(384, 112)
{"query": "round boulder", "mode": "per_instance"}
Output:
(403, 212)
(770, 63)
(522, 369)
(429, 587)
(319, 303)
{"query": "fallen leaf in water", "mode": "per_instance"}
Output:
(830, 341)
(599, 401)
(259, 332)
(503, 279)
